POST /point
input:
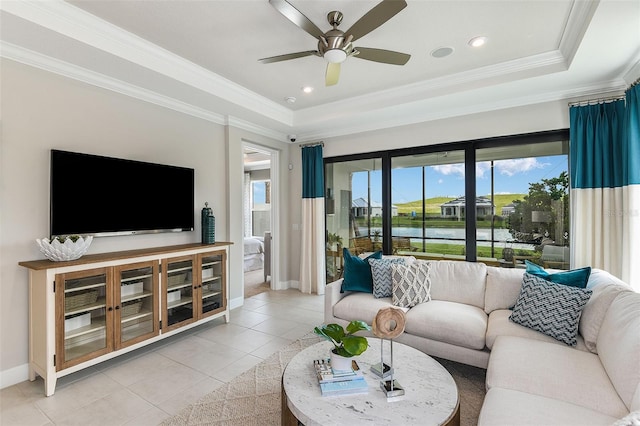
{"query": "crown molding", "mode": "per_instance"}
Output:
(633, 74)
(254, 128)
(56, 66)
(425, 113)
(66, 19)
(467, 80)
(577, 23)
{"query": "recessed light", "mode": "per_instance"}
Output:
(307, 89)
(290, 99)
(477, 41)
(441, 52)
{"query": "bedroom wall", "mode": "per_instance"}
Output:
(527, 119)
(41, 111)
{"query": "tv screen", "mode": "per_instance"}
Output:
(96, 195)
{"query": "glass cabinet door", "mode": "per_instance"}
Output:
(212, 286)
(137, 306)
(85, 312)
(178, 289)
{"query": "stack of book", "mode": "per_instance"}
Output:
(340, 382)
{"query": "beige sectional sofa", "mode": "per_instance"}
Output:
(532, 378)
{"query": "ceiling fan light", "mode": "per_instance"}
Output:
(335, 56)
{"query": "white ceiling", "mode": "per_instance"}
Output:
(201, 57)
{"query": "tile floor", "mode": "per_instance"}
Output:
(150, 384)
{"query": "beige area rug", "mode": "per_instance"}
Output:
(254, 283)
(254, 397)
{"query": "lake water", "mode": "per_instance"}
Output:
(502, 237)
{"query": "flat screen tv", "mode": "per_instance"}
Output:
(100, 196)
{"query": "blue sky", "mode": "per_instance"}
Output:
(510, 176)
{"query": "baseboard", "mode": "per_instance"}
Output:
(14, 375)
(236, 302)
(285, 285)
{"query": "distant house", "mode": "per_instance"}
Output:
(360, 208)
(508, 209)
(455, 208)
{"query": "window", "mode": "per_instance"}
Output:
(353, 206)
(498, 200)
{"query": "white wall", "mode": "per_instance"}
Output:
(529, 119)
(41, 111)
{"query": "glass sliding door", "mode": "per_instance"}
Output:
(500, 201)
(353, 208)
(522, 204)
(428, 210)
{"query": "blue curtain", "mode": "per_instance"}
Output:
(605, 186)
(312, 262)
(312, 172)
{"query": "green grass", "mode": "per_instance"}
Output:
(432, 205)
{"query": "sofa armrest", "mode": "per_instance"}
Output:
(332, 296)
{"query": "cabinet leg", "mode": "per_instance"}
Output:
(226, 317)
(32, 373)
(50, 384)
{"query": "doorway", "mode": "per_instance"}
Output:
(257, 219)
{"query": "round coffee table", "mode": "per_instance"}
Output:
(431, 395)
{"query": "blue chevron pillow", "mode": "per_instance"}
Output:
(381, 274)
(550, 308)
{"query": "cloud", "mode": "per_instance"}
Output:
(450, 169)
(504, 167)
(440, 181)
(518, 165)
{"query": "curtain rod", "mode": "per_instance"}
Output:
(597, 101)
(311, 144)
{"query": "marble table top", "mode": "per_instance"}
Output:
(431, 395)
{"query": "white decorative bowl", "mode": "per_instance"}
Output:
(69, 250)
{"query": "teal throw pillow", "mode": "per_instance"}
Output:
(357, 272)
(574, 278)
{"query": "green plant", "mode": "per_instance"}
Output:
(346, 344)
(333, 239)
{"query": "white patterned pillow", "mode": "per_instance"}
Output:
(381, 273)
(550, 308)
(411, 284)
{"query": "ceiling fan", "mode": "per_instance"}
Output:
(335, 46)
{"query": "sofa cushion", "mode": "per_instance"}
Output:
(604, 292)
(360, 306)
(573, 278)
(411, 284)
(381, 275)
(554, 371)
(500, 325)
(619, 344)
(357, 272)
(631, 419)
(507, 407)
(503, 288)
(550, 308)
(448, 322)
(462, 282)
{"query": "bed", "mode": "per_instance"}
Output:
(253, 253)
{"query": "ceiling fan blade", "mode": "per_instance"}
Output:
(381, 55)
(295, 16)
(333, 73)
(288, 56)
(377, 16)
